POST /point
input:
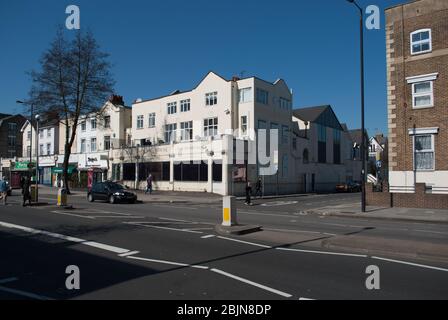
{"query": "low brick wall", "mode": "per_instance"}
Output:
(419, 199)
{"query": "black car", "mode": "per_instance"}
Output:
(111, 192)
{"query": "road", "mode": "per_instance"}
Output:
(171, 251)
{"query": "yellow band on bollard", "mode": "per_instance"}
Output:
(226, 215)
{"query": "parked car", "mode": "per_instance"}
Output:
(112, 192)
(350, 186)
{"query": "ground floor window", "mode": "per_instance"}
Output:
(191, 171)
(424, 152)
(160, 171)
(217, 171)
(116, 172)
(129, 171)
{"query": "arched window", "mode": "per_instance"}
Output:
(306, 156)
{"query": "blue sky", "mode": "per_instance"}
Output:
(159, 46)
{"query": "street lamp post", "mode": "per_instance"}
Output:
(37, 158)
(363, 140)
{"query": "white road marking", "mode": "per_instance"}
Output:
(163, 228)
(169, 263)
(245, 242)
(435, 232)
(300, 231)
(7, 280)
(411, 264)
(176, 220)
(119, 217)
(105, 247)
(66, 238)
(130, 253)
(324, 252)
(72, 214)
(305, 299)
(24, 293)
(280, 293)
(208, 236)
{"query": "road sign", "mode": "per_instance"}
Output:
(379, 164)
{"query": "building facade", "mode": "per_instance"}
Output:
(10, 135)
(417, 73)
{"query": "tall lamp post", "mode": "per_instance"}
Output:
(363, 141)
(37, 158)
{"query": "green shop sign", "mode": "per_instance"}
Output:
(23, 165)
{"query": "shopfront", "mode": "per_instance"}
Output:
(46, 164)
(20, 169)
(93, 169)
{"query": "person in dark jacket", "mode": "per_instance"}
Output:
(26, 185)
(259, 188)
(248, 193)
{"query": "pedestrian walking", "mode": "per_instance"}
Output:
(149, 184)
(26, 193)
(248, 192)
(259, 188)
(3, 190)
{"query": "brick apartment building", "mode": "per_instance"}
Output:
(10, 135)
(417, 75)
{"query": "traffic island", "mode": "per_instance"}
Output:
(237, 230)
(229, 222)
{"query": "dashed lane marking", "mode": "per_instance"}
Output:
(229, 275)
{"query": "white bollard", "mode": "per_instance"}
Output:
(228, 211)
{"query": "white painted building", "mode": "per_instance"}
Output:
(46, 143)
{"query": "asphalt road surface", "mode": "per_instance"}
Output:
(171, 251)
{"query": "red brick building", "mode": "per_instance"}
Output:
(417, 84)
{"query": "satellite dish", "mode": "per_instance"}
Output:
(139, 100)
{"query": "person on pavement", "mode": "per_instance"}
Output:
(26, 185)
(149, 184)
(248, 192)
(3, 190)
(259, 188)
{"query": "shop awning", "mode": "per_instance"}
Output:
(60, 170)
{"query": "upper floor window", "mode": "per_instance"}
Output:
(41, 133)
(421, 41)
(285, 104)
(262, 96)
(107, 144)
(93, 145)
(211, 98)
(422, 94)
(83, 126)
(172, 107)
(243, 125)
(285, 134)
(245, 95)
(49, 133)
(48, 149)
(170, 132)
(210, 127)
(151, 120)
(107, 122)
(12, 127)
(29, 135)
(185, 105)
(93, 124)
(83, 145)
(186, 130)
(424, 152)
(140, 122)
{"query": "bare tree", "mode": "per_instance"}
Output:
(74, 81)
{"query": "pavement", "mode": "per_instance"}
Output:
(353, 210)
(172, 251)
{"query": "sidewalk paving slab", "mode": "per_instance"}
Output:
(399, 214)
